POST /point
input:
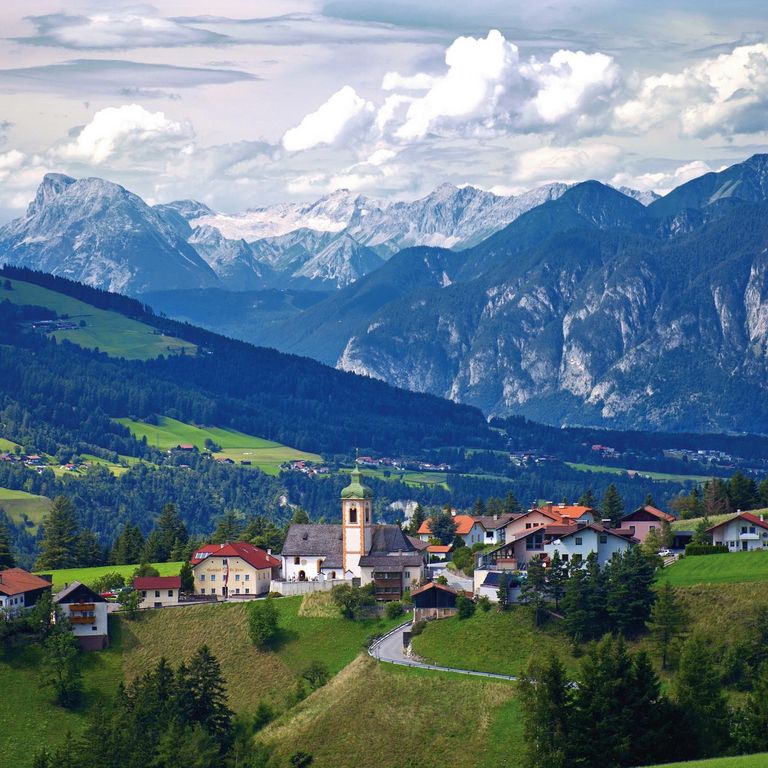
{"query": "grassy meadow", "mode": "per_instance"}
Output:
(20, 505)
(264, 454)
(89, 575)
(111, 332)
(727, 568)
(742, 761)
(660, 476)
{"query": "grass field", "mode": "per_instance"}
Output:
(264, 454)
(89, 575)
(18, 504)
(692, 522)
(404, 476)
(109, 331)
(30, 719)
(728, 568)
(743, 761)
(7, 446)
(661, 476)
(389, 717)
(252, 676)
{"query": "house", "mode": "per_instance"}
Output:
(495, 526)
(438, 552)
(357, 550)
(487, 584)
(644, 520)
(743, 532)
(158, 591)
(467, 527)
(87, 615)
(20, 589)
(233, 568)
(433, 601)
(578, 542)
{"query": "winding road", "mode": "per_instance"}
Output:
(389, 648)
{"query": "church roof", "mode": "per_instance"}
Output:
(356, 489)
(389, 538)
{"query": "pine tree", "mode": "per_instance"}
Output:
(667, 621)
(534, 590)
(511, 505)
(701, 698)
(171, 532)
(649, 502)
(556, 578)
(88, 551)
(128, 547)
(417, 518)
(716, 501)
(502, 593)
(229, 528)
(7, 560)
(547, 708)
(187, 578)
(742, 492)
(612, 506)
(478, 508)
(299, 517)
(208, 699)
(58, 549)
(630, 592)
(755, 714)
(587, 499)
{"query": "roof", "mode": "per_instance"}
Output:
(464, 525)
(389, 538)
(620, 533)
(570, 511)
(434, 585)
(746, 516)
(14, 581)
(157, 582)
(439, 548)
(492, 522)
(391, 562)
(493, 579)
(356, 489)
(77, 592)
(418, 543)
(254, 556)
(651, 510)
(313, 539)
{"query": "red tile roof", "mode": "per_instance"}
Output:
(157, 582)
(746, 516)
(464, 525)
(568, 511)
(651, 510)
(254, 556)
(434, 585)
(14, 581)
(438, 548)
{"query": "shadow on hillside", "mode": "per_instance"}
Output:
(281, 638)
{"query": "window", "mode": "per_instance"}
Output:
(247, 591)
(213, 590)
(651, 527)
(743, 528)
(751, 528)
(527, 525)
(170, 593)
(143, 592)
(367, 514)
(353, 515)
(603, 539)
(237, 591)
(297, 560)
(564, 558)
(632, 529)
(202, 591)
(213, 577)
(224, 561)
(202, 577)
(407, 574)
(157, 593)
(578, 540)
(247, 576)
(237, 577)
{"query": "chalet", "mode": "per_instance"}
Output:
(158, 591)
(233, 568)
(20, 589)
(357, 550)
(495, 526)
(467, 527)
(433, 601)
(644, 520)
(87, 615)
(741, 533)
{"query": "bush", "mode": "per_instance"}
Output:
(465, 608)
(393, 609)
(108, 582)
(316, 674)
(484, 603)
(417, 628)
(262, 622)
(349, 600)
(705, 549)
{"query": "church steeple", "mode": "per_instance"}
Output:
(356, 521)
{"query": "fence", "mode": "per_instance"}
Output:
(289, 588)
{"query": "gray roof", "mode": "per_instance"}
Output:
(389, 538)
(418, 543)
(77, 587)
(392, 562)
(491, 523)
(313, 539)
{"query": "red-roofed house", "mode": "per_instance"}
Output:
(741, 533)
(20, 589)
(644, 520)
(158, 591)
(234, 568)
(467, 527)
(438, 551)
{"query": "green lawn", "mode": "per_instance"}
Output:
(491, 642)
(30, 719)
(728, 568)
(111, 332)
(743, 761)
(404, 476)
(662, 476)
(19, 505)
(264, 454)
(7, 446)
(692, 523)
(89, 575)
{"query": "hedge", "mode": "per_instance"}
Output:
(705, 549)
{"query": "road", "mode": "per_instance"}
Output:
(390, 649)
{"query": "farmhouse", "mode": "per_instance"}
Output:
(644, 520)
(233, 568)
(433, 601)
(741, 533)
(20, 589)
(87, 615)
(356, 550)
(468, 527)
(158, 591)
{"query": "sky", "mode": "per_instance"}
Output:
(245, 103)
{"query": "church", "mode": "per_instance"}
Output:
(358, 550)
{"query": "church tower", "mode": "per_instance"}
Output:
(356, 523)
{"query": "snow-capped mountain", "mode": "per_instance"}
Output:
(340, 263)
(101, 234)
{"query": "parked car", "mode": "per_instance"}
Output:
(109, 595)
(665, 553)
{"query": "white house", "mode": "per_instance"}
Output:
(575, 544)
(87, 614)
(741, 533)
(158, 591)
(20, 589)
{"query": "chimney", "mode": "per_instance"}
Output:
(496, 516)
(453, 512)
(269, 551)
(549, 506)
(762, 518)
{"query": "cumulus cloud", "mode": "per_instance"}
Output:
(345, 112)
(727, 94)
(129, 130)
(568, 164)
(662, 181)
(112, 31)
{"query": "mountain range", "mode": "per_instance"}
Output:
(578, 304)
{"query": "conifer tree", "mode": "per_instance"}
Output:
(587, 499)
(171, 532)
(667, 621)
(534, 590)
(478, 508)
(58, 549)
(229, 528)
(88, 551)
(128, 547)
(556, 578)
(187, 578)
(755, 714)
(208, 698)
(7, 559)
(630, 592)
(511, 505)
(417, 518)
(502, 593)
(612, 506)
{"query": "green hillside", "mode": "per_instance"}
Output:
(264, 454)
(691, 523)
(742, 761)
(111, 332)
(728, 568)
(65, 576)
(661, 476)
(20, 505)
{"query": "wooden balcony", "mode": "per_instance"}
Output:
(82, 607)
(77, 619)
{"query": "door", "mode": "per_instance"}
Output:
(745, 545)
